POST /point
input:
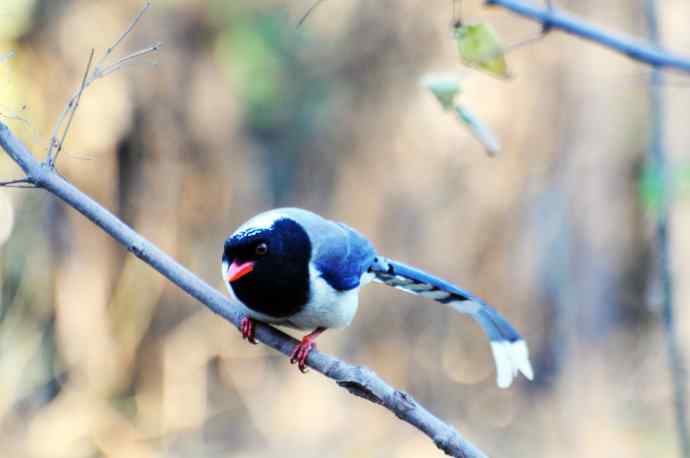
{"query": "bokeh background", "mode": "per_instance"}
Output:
(242, 111)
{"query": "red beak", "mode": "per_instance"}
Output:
(237, 271)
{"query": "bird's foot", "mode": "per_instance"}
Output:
(247, 329)
(301, 352)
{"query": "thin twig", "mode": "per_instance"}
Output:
(557, 19)
(657, 159)
(128, 60)
(456, 14)
(512, 47)
(16, 117)
(19, 183)
(525, 42)
(122, 37)
(357, 380)
(309, 11)
(72, 111)
(18, 186)
(98, 72)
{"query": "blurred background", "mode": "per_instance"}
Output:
(242, 111)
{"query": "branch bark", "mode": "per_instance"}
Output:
(552, 18)
(357, 380)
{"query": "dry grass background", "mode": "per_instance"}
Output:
(99, 356)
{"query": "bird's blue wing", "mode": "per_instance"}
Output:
(344, 257)
(339, 253)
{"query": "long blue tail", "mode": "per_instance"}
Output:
(509, 349)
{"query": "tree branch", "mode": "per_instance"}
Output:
(656, 158)
(552, 18)
(99, 71)
(358, 380)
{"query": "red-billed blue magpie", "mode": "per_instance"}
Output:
(292, 267)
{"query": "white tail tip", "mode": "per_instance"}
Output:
(511, 358)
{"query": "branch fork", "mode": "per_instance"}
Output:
(100, 70)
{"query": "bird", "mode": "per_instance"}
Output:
(292, 267)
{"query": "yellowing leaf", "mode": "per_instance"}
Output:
(479, 46)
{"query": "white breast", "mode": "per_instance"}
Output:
(327, 307)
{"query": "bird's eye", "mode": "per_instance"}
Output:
(261, 249)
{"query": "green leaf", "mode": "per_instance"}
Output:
(445, 87)
(480, 130)
(479, 47)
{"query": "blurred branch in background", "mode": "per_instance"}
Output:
(656, 158)
(552, 18)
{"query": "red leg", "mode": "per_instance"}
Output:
(302, 349)
(247, 329)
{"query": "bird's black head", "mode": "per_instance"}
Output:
(267, 266)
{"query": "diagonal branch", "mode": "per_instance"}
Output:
(552, 18)
(358, 380)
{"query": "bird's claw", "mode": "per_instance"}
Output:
(247, 329)
(301, 352)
